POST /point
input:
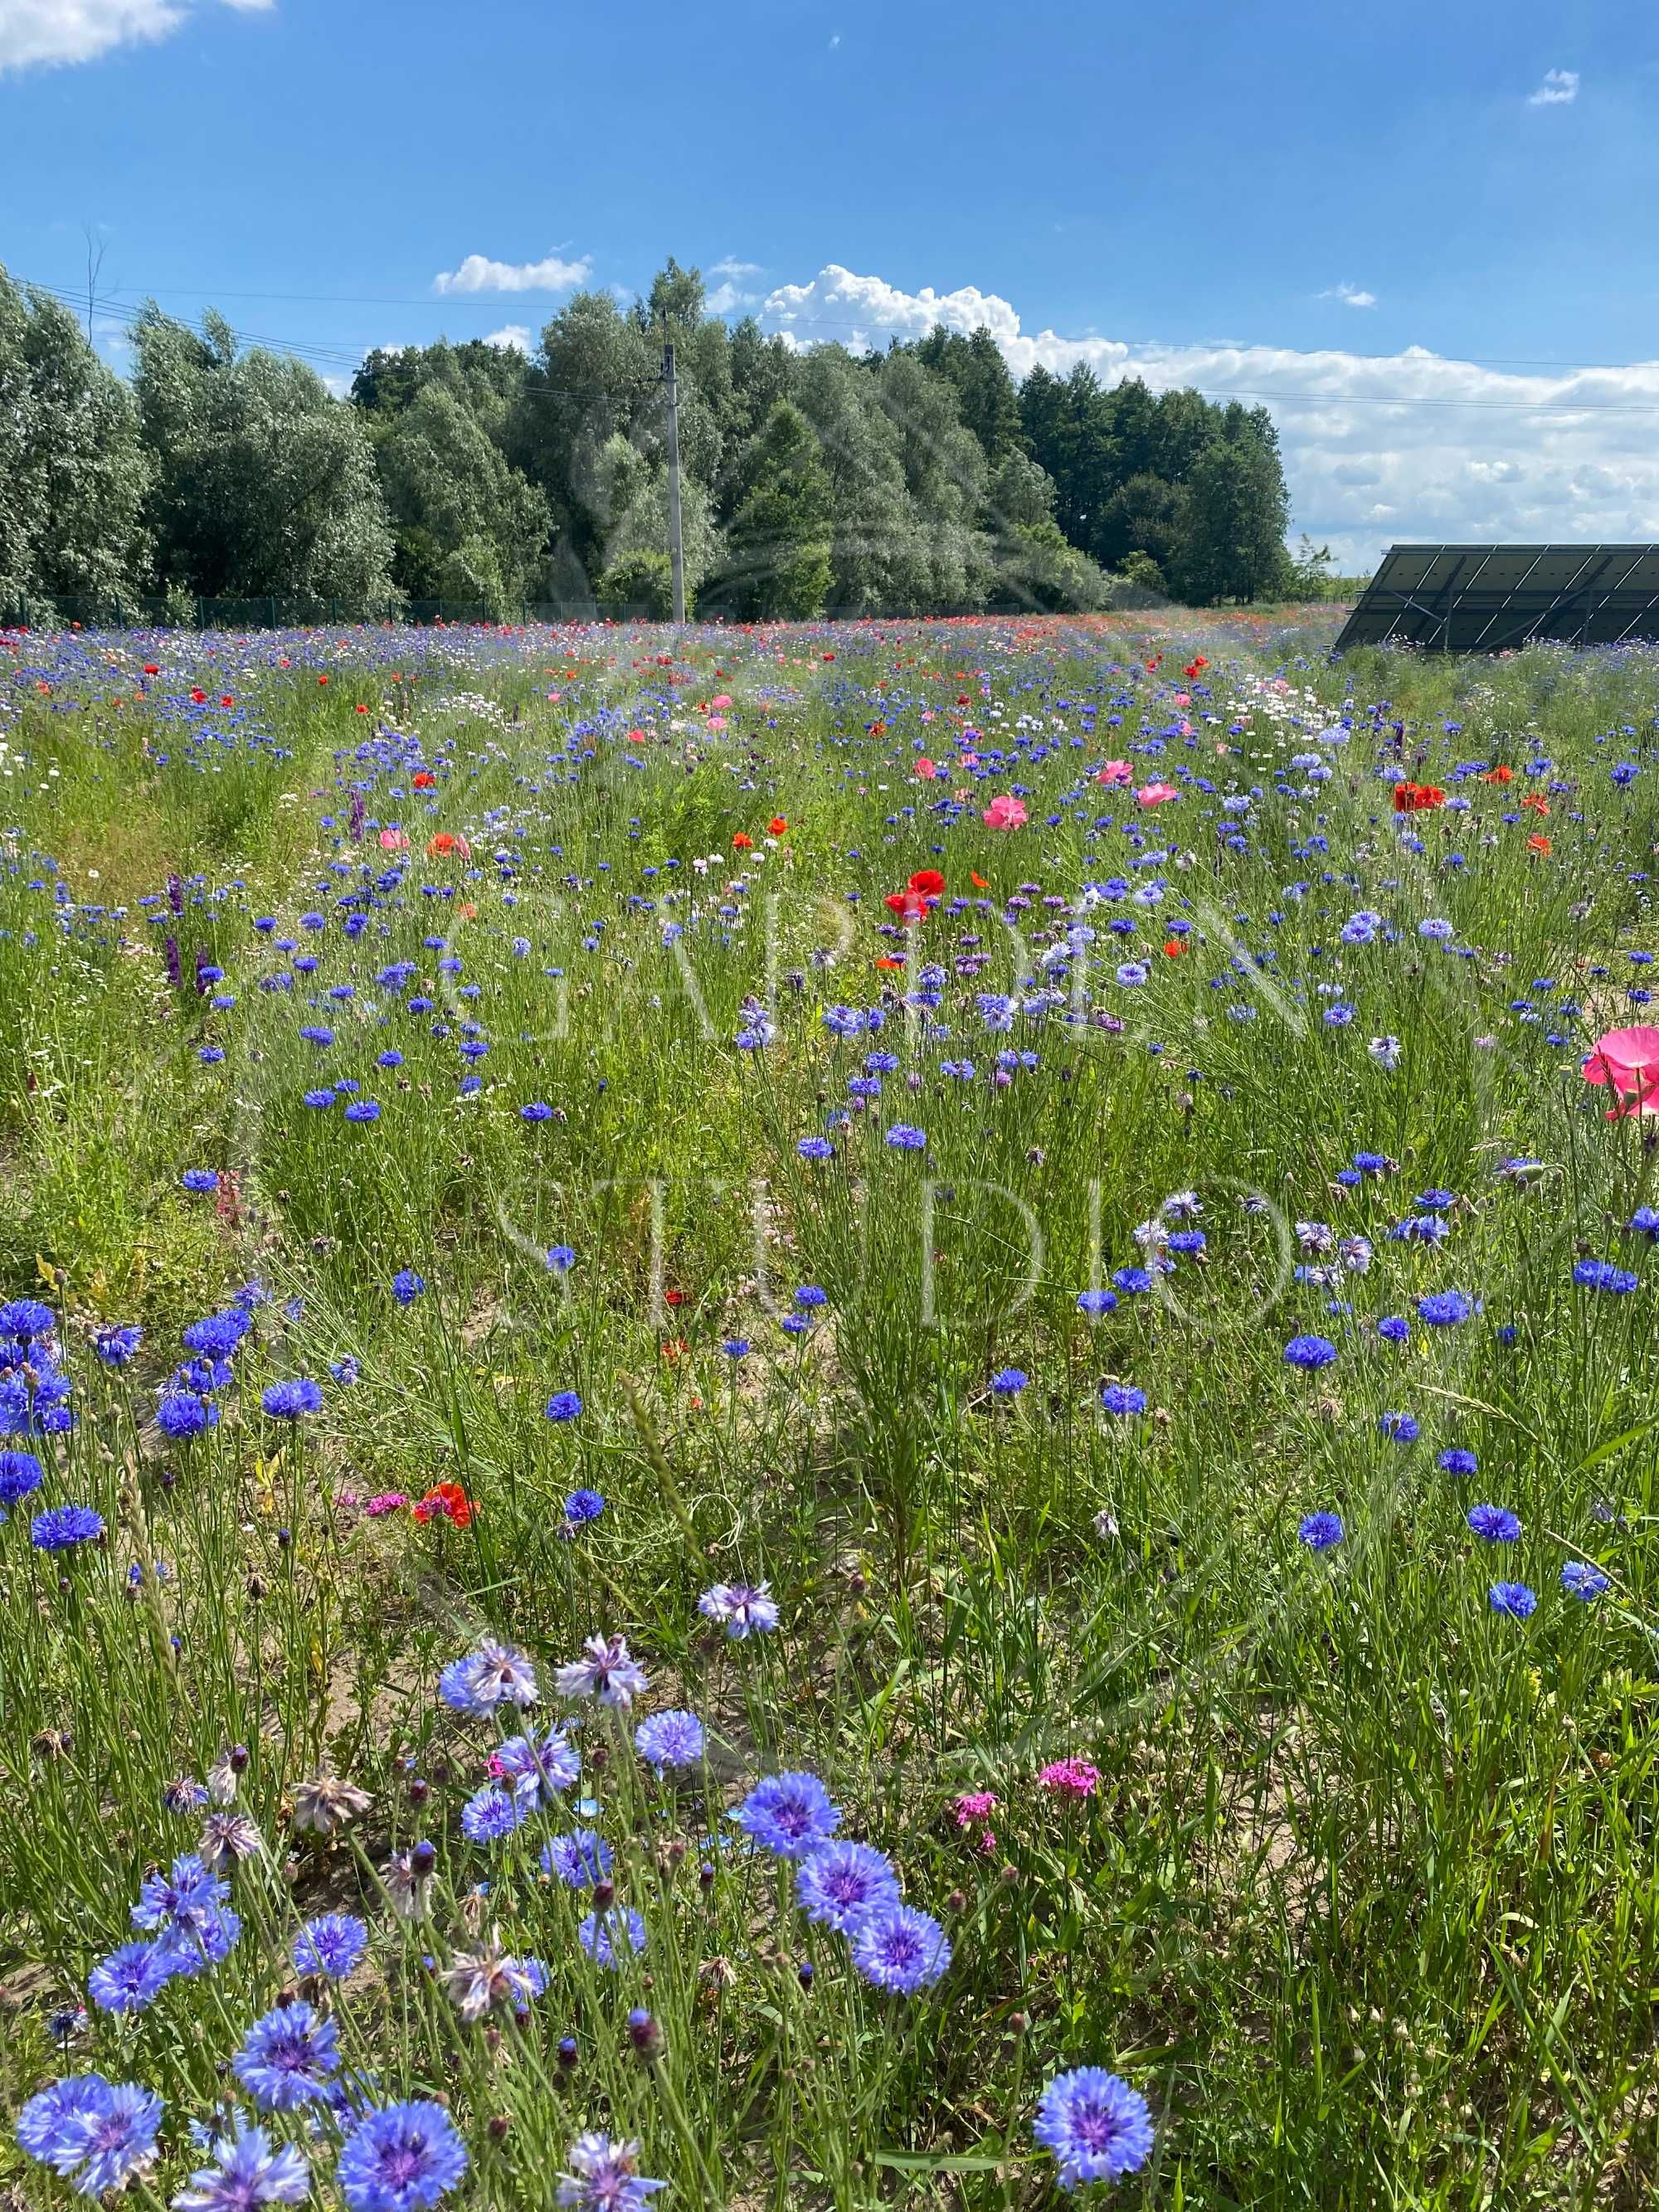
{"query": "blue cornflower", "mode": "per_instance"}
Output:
(185, 1413)
(535, 1766)
(816, 1148)
(604, 2175)
(288, 1401)
(407, 1287)
(400, 2158)
(563, 1405)
(1515, 1599)
(288, 2056)
(620, 1930)
(1098, 2127)
(1458, 1461)
(1096, 1303)
(840, 1884)
(199, 1179)
(1581, 1580)
(494, 1674)
(736, 1347)
(583, 1505)
(26, 1319)
(247, 2171)
(789, 1814)
(1496, 1523)
(1123, 1398)
(1402, 1427)
(1320, 1532)
(1645, 1222)
(217, 1335)
(188, 1896)
(489, 1814)
(344, 1371)
(536, 1111)
(903, 1138)
(795, 1324)
(809, 1294)
(899, 1948)
(1310, 1353)
(560, 1258)
(1393, 1329)
(61, 1528)
(1444, 1309)
(1132, 1281)
(670, 1739)
(132, 1978)
(331, 1944)
(1602, 1275)
(1009, 1382)
(579, 1859)
(20, 1473)
(93, 2133)
(363, 1109)
(317, 1099)
(116, 1346)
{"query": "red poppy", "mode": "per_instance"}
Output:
(1534, 805)
(150, 668)
(226, 700)
(742, 842)
(360, 709)
(929, 882)
(887, 960)
(199, 695)
(1502, 774)
(776, 827)
(446, 1501)
(423, 779)
(673, 1297)
(1172, 948)
(322, 679)
(1413, 798)
(1537, 842)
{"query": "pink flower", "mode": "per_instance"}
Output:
(925, 769)
(717, 721)
(1115, 772)
(394, 841)
(1073, 1778)
(1628, 1061)
(1154, 794)
(721, 699)
(973, 1805)
(1005, 813)
(1183, 699)
(969, 760)
(385, 1501)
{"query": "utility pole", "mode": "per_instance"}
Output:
(676, 547)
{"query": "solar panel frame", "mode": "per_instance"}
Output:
(1496, 598)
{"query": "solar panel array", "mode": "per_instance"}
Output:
(1492, 598)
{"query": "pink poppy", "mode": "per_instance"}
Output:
(925, 769)
(1628, 1059)
(1115, 772)
(1005, 813)
(721, 699)
(1154, 794)
(394, 841)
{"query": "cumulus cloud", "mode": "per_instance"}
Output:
(46, 33)
(1351, 295)
(1409, 445)
(1559, 89)
(477, 273)
(514, 336)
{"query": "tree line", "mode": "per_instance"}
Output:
(919, 480)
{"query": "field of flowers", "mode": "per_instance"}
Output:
(826, 1416)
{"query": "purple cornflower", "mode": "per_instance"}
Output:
(579, 1859)
(1098, 2127)
(400, 2158)
(331, 1944)
(1495, 1523)
(670, 1739)
(789, 1814)
(605, 1671)
(604, 2175)
(532, 1764)
(900, 1948)
(1321, 1531)
(494, 1674)
(489, 1814)
(842, 1882)
(620, 1931)
(62, 1527)
(132, 1978)
(287, 2057)
(93, 2133)
(743, 1609)
(288, 1401)
(1518, 1600)
(247, 2171)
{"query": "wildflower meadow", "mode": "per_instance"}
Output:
(827, 1416)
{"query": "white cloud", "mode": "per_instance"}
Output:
(1559, 89)
(1351, 295)
(834, 42)
(726, 299)
(1410, 444)
(514, 336)
(45, 33)
(725, 266)
(479, 274)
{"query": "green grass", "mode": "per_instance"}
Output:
(1365, 1903)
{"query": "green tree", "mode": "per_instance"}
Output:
(945, 476)
(1234, 543)
(985, 390)
(73, 470)
(878, 558)
(778, 556)
(467, 525)
(264, 483)
(1035, 566)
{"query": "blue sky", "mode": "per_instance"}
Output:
(1421, 231)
